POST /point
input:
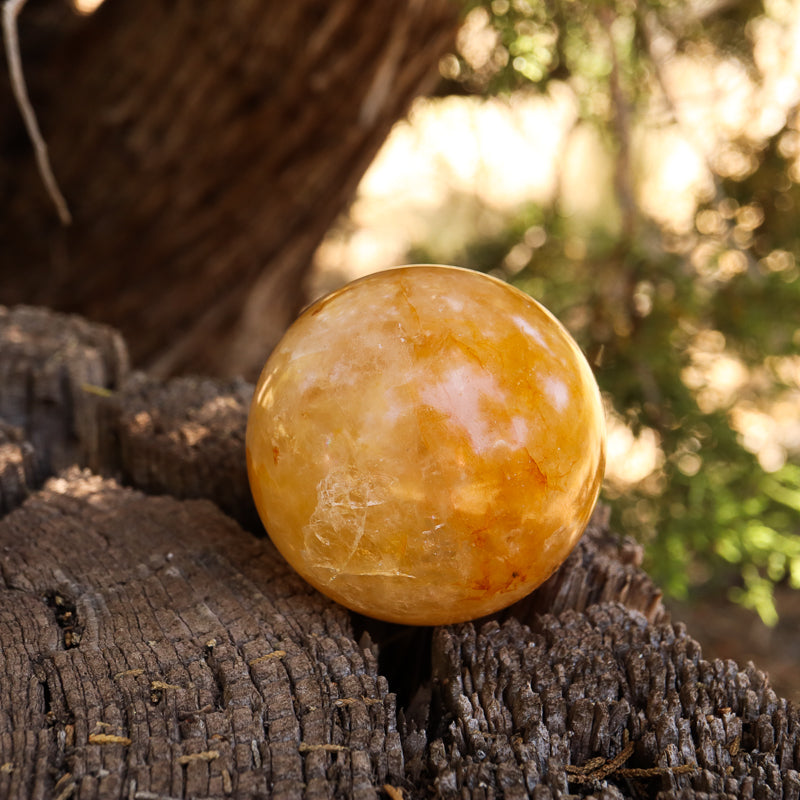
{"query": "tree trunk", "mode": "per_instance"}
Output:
(204, 150)
(155, 647)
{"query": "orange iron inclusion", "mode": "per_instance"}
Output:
(426, 445)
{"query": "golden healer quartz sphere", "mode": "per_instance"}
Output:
(426, 445)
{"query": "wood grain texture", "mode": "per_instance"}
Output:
(151, 648)
(548, 710)
(183, 437)
(51, 366)
(150, 645)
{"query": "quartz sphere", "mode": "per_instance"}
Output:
(426, 445)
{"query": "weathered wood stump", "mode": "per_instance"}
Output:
(154, 645)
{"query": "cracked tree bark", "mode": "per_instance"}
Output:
(153, 644)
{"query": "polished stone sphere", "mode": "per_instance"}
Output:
(426, 445)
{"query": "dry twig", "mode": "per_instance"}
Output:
(11, 10)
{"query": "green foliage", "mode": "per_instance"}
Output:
(656, 310)
(536, 41)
